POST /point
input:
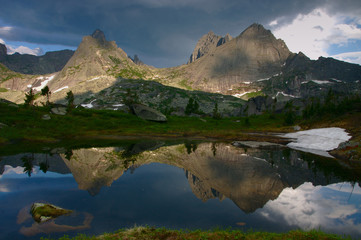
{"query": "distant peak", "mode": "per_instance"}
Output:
(99, 35)
(255, 29)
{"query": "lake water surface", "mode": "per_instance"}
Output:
(178, 185)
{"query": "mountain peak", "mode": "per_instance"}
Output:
(256, 30)
(99, 35)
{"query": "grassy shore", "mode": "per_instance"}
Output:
(24, 125)
(27, 124)
(166, 234)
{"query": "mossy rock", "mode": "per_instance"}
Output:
(43, 212)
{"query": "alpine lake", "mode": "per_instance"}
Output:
(177, 184)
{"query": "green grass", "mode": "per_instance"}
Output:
(27, 123)
(184, 83)
(3, 90)
(217, 234)
(253, 94)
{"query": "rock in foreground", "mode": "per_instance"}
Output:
(148, 113)
(43, 212)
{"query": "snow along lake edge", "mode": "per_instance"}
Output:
(318, 141)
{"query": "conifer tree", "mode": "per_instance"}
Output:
(29, 98)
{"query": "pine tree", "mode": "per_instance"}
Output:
(29, 98)
(46, 92)
(192, 107)
(216, 114)
(70, 98)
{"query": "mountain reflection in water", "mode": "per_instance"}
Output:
(251, 178)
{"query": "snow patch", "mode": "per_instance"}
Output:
(58, 90)
(118, 105)
(263, 79)
(277, 74)
(238, 95)
(88, 105)
(247, 82)
(336, 80)
(93, 79)
(318, 141)
(286, 95)
(44, 83)
(321, 81)
(29, 86)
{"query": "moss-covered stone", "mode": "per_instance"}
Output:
(42, 212)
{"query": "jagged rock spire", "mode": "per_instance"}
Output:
(99, 35)
(207, 43)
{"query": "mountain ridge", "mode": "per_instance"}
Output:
(254, 62)
(50, 62)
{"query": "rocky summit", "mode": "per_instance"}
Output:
(207, 44)
(254, 65)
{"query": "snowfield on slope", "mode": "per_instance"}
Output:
(318, 141)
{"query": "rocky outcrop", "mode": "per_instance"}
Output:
(148, 113)
(58, 110)
(42, 212)
(136, 60)
(168, 100)
(51, 62)
(207, 44)
(99, 35)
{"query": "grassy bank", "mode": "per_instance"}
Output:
(165, 234)
(27, 124)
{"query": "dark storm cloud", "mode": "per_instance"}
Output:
(158, 29)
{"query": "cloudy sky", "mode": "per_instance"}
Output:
(163, 33)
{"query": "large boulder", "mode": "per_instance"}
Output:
(42, 212)
(58, 110)
(148, 113)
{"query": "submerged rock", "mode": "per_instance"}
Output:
(148, 113)
(42, 212)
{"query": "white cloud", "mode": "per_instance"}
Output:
(309, 207)
(315, 32)
(273, 23)
(5, 30)
(353, 57)
(24, 50)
